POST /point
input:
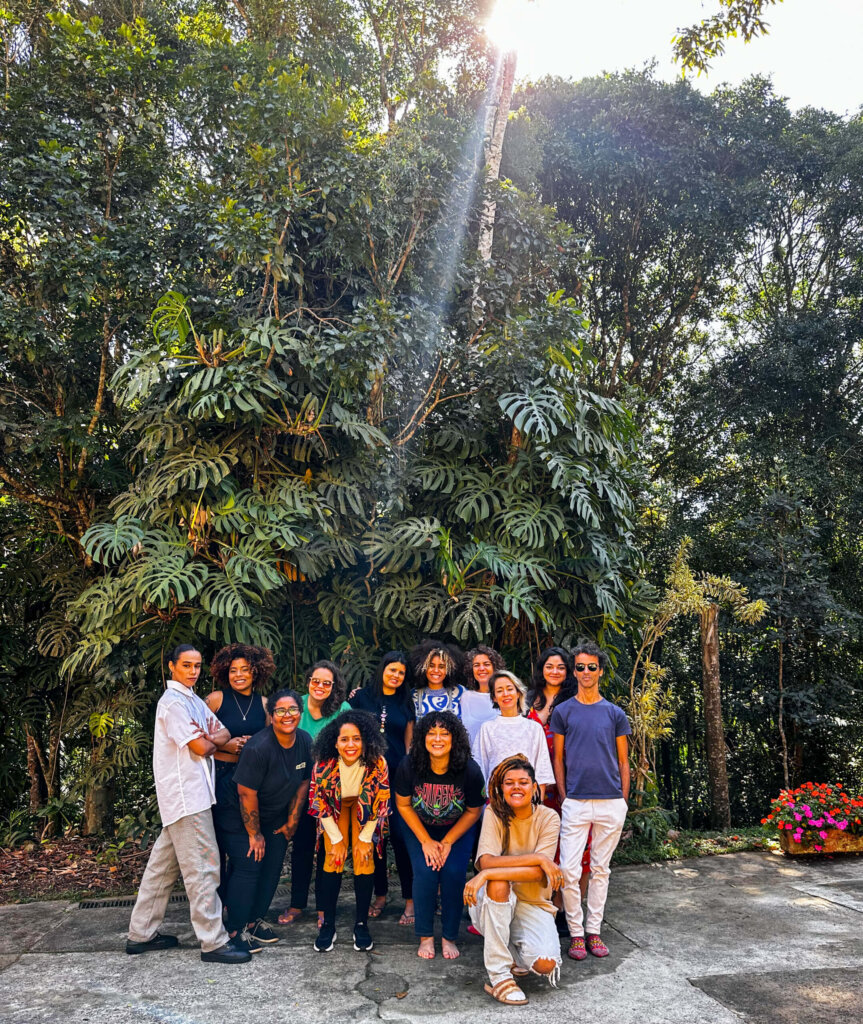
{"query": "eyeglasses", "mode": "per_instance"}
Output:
(320, 682)
(592, 667)
(290, 712)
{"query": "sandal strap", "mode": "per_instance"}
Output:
(505, 988)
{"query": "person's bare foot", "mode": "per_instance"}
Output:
(320, 919)
(450, 950)
(426, 950)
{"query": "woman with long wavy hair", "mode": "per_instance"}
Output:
(437, 668)
(349, 796)
(480, 664)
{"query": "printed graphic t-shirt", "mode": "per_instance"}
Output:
(440, 800)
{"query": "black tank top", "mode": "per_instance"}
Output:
(234, 706)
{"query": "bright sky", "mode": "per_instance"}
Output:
(812, 50)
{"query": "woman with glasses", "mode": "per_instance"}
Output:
(324, 701)
(437, 667)
(388, 699)
(241, 674)
(350, 798)
(269, 799)
(480, 664)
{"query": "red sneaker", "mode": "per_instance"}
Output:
(596, 946)
(576, 949)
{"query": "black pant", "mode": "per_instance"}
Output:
(222, 817)
(403, 860)
(251, 883)
(304, 845)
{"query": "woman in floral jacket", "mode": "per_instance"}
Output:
(350, 797)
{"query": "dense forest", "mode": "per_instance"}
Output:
(283, 363)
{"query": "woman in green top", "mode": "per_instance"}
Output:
(324, 701)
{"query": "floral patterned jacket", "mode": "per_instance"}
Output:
(325, 797)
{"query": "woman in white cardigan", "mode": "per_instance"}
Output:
(511, 733)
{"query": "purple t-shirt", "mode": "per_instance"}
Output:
(591, 731)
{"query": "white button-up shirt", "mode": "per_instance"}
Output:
(184, 781)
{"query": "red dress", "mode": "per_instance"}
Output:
(552, 799)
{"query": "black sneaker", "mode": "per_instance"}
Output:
(157, 942)
(230, 953)
(247, 941)
(262, 932)
(326, 938)
(362, 938)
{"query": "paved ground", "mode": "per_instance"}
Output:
(745, 937)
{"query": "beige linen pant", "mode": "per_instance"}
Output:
(514, 933)
(187, 847)
(577, 817)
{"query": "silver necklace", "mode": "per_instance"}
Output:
(249, 708)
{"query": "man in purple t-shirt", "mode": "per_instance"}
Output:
(591, 767)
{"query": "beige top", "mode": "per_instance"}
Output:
(536, 834)
(351, 780)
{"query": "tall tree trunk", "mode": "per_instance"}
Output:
(717, 772)
(38, 790)
(99, 809)
(494, 152)
(782, 736)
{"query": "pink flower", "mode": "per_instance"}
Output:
(817, 847)
(823, 834)
(818, 823)
(798, 817)
(807, 810)
(842, 824)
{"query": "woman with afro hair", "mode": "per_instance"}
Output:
(350, 797)
(241, 674)
(437, 668)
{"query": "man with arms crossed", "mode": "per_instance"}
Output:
(187, 734)
(591, 766)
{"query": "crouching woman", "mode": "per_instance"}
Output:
(350, 797)
(510, 896)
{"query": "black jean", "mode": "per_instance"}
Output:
(251, 883)
(222, 816)
(402, 857)
(304, 846)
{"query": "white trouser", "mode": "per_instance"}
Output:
(186, 847)
(577, 817)
(515, 933)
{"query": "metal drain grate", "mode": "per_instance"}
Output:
(129, 901)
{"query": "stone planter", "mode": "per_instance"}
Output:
(837, 841)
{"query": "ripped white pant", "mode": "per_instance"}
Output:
(515, 933)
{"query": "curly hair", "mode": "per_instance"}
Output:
(403, 693)
(259, 658)
(459, 754)
(370, 734)
(421, 657)
(593, 650)
(274, 699)
(536, 694)
(497, 663)
(337, 695)
(498, 806)
(511, 677)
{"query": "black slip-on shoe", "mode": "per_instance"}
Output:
(157, 942)
(227, 954)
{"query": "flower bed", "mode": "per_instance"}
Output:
(821, 818)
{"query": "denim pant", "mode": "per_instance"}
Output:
(403, 860)
(251, 883)
(304, 846)
(450, 879)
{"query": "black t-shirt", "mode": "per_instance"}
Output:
(274, 772)
(440, 799)
(396, 720)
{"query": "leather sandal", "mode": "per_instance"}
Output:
(504, 991)
(289, 916)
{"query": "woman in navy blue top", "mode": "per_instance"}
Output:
(388, 698)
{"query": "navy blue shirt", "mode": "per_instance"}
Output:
(393, 716)
(590, 734)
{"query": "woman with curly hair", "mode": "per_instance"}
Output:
(323, 702)
(242, 675)
(350, 797)
(439, 795)
(480, 664)
(437, 667)
(268, 802)
(510, 895)
(388, 698)
(511, 732)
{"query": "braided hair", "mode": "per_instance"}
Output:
(498, 806)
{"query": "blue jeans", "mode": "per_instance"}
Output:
(450, 879)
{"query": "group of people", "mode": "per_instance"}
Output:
(446, 757)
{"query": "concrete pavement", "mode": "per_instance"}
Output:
(754, 937)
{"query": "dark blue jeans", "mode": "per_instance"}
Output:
(450, 880)
(251, 884)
